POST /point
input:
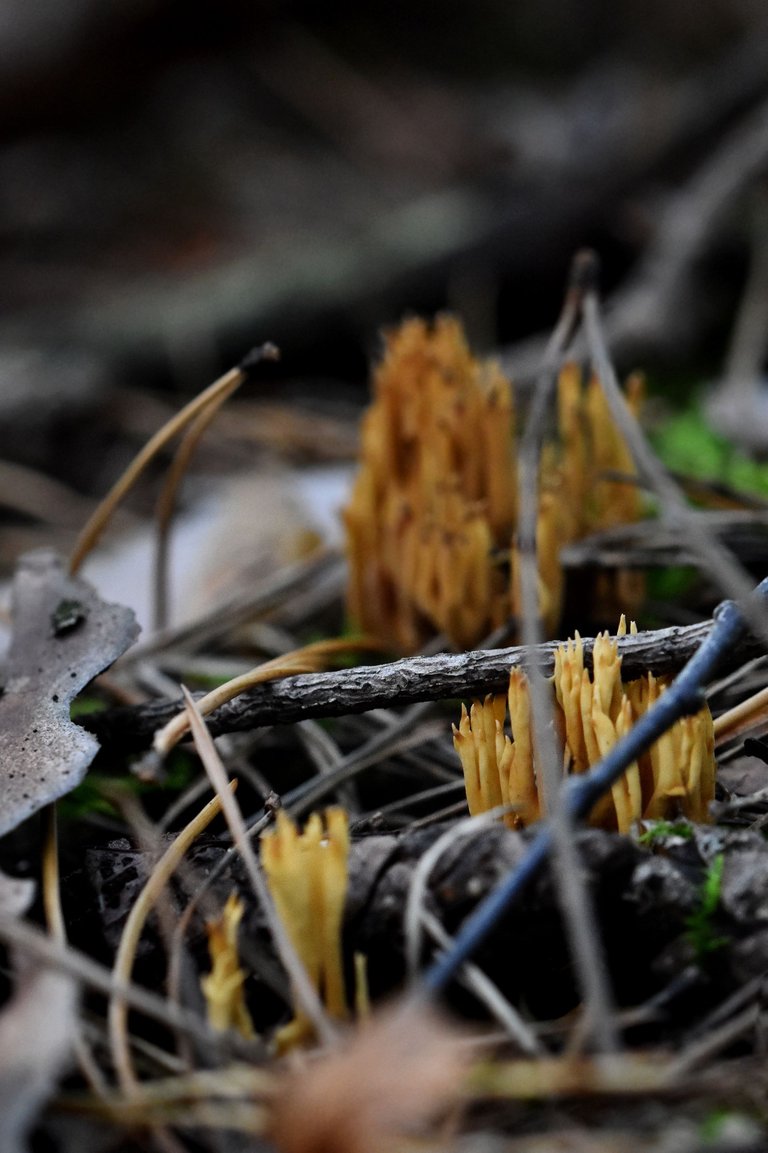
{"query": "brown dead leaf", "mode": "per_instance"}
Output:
(396, 1075)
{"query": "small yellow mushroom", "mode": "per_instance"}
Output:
(307, 878)
(223, 986)
(614, 501)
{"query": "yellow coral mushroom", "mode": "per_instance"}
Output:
(434, 505)
(223, 986)
(435, 493)
(592, 713)
(588, 483)
(307, 877)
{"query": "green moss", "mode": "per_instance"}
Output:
(687, 444)
(659, 830)
(84, 704)
(93, 795)
(672, 583)
(700, 925)
(714, 1129)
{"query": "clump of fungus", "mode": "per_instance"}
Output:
(223, 986)
(595, 479)
(432, 516)
(435, 492)
(677, 772)
(307, 877)
(595, 470)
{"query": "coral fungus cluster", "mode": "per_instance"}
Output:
(431, 521)
(435, 492)
(223, 986)
(307, 876)
(677, 773)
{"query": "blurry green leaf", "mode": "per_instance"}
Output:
(700, 925)
(670, 584)
(83, 705)
(92, 795)
(687, 444)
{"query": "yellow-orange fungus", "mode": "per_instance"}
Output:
(431, 520)
(676, 774)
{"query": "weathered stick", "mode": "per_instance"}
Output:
(446, 676)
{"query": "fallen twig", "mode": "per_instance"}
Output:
(445, 676)
(578, 913)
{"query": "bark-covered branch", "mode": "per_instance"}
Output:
(442, 677)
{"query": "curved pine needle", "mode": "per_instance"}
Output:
(166, 502)
(99, 519)
(117, 1017)
(416, 914)
(742, 716)
(54, 918)
(308, 659)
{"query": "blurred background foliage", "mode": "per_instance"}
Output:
(181, 180)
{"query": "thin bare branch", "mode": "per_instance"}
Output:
(574, 900)
(445, 676)
(305, 659)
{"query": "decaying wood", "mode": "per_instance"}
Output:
(446, 676)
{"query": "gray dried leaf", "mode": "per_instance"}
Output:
(16, 895)
(37, 1027)
(63, 636)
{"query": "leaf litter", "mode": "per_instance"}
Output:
(681, 918)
